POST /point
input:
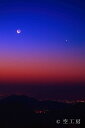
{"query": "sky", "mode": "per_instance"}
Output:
(51, 45)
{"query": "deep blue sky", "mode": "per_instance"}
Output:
(40, 53)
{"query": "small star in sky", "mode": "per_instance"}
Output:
(66, 41)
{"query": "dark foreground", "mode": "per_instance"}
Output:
(24, 112)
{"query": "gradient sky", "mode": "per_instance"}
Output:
(40, 52)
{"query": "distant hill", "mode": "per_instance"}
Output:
(23, 112)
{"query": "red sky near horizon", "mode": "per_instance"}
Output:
(36, 69)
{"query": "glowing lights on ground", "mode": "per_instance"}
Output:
(41, 111)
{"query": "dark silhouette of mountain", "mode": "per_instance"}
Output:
(25, 112)
(20, 100)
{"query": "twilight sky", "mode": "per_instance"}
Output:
(51, 45)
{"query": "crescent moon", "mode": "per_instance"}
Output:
(18, 31)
